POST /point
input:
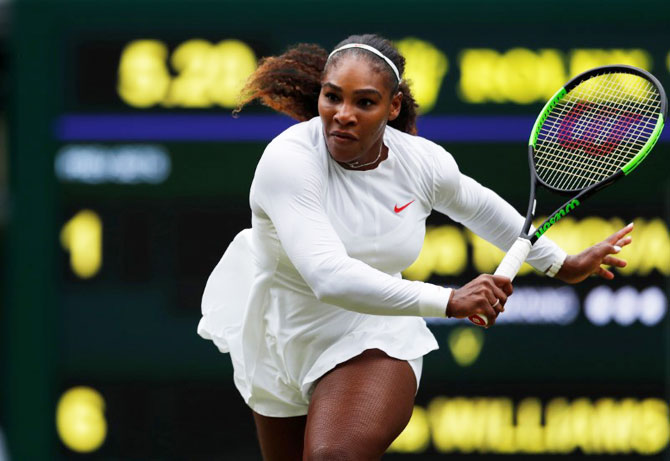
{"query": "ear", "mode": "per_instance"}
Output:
(396, 104)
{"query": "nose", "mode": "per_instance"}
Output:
(344, 115)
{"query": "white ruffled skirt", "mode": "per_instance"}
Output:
(281, 341)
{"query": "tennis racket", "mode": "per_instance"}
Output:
(594, 131)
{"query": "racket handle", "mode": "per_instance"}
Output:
(509, 267)
(514, 258)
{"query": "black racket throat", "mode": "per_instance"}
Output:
(567, 208)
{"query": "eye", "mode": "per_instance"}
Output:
(332, 97)
(365, 102)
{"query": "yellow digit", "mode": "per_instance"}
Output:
(193, 62)
(425, 67)
(451, 250)
(558, 433)
(551, 74)
(520, 76)
(478, 70)
(143, 75)
(415, 438)
(583, 59)
(651, 432)
(529, 430)
(465, 344)
(80, 419)
(82, 236)
(516, 75)
(234, 61)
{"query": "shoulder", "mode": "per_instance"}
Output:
(299, 142)
(418, 146)
(293, 157)
(304, 135)
(424, 154)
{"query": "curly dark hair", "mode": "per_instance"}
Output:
(290, 83)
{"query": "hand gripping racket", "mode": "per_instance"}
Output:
(595, 130)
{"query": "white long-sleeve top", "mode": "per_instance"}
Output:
(293, 297)
(336, 233)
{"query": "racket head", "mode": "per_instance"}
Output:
(598, 127)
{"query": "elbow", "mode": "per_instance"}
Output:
(327, 282)
(330, 292)
(326, 295)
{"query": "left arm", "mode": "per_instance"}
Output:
(486, 213)
(491, 217)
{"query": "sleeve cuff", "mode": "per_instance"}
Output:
(433, 301)
(556, 266)
(544, 254)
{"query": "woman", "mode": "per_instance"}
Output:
(325, 337)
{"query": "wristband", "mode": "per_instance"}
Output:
(554, 268)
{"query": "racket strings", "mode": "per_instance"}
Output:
(553, 161)
(597, 128)
(597, 141)
(574, 174)
(615, 107)
(611, 121)
(596, 162)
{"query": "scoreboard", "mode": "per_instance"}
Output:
(130, 176)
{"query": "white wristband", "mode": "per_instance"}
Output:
(554, 268)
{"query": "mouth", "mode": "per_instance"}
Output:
(343, 135)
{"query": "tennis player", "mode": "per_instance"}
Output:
(325, 337)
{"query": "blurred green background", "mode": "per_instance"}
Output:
(124, 177)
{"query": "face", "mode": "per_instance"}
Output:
(355, 104)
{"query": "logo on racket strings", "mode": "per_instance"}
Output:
(556, 217)
(597, 129)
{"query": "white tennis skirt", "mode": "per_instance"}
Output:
(281, 340)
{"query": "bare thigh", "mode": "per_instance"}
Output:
(359, 408)
(281, 439)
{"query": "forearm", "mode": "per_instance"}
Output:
(492, 218)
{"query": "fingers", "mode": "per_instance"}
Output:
(486, 295)
(490, 314)
(497, 306)
(620, 234)
(615, 242)
(604, 249)
(501, 298)
(497, 299)
(501, 288)
(487, 309)
(604, 273)
(504, 283)
(624, 241)
(612, 261)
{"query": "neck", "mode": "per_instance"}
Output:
(357, 164)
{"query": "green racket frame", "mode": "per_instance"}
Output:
(517, 254)
(576, 200)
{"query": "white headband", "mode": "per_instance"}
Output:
(371, 50)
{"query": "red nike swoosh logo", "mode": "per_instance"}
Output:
(398, 210)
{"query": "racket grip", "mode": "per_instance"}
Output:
(514, 258)
(508, 267)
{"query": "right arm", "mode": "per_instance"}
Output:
(489, 216)
(288, 188)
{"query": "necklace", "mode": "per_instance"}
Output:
(357, 164)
